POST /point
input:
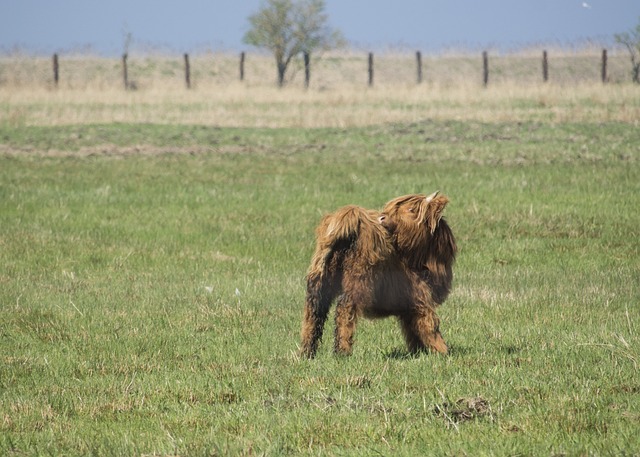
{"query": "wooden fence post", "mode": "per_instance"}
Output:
(370, 69)
(485, 68)
(55, 69)
(604, 66)
(125, 73)
(242, 66)
(419, 66)
(545, 67)
(187, 71)
(307, 70)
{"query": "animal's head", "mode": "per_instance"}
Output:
(420, 234)
(413, 219)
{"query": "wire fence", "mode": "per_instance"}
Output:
(317, 73)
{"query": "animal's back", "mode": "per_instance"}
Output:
(352, 233)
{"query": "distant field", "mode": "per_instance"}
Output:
(154, 243)
(329, 71)
(91, 91)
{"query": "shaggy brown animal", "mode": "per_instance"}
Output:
(394, 263)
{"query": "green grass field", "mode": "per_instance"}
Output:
(152, 283)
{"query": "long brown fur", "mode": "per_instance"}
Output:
(397, 262)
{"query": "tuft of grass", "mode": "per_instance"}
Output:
(152, 284)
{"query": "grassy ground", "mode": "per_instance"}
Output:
(152, 272)
(152, 281)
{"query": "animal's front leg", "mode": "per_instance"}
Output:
(346, 318)
(421, 330)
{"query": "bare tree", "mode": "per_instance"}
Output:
(631, 40)
(290, 27)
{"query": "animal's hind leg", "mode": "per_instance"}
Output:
(422, 331)
(316, 308)
(346, 318)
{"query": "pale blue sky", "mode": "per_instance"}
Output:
(45, 26)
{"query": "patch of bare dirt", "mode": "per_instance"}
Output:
(463, 410)
(115, 150)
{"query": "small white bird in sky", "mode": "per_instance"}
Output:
(586, 5)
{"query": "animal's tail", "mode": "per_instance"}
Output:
(351, 229)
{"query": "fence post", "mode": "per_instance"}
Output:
(187, 71)
(419, 66)
(485, 68)
(307, 70)
(545, 67)
(370, 69)
(604, 66)
(125, 73)
(55, 69)
(242, 66)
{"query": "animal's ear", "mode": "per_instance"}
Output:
(435, 206)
